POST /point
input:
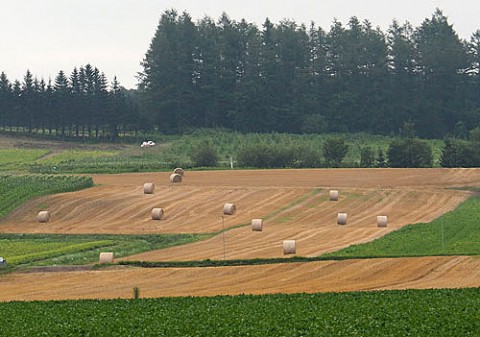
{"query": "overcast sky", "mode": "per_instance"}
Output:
(47, 36)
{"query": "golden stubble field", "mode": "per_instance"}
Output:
(294, 204)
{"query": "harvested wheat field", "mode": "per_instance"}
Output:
(294, 205)
(326, 276)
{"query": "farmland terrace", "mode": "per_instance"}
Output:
(294, 205)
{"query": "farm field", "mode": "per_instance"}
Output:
(294, 204)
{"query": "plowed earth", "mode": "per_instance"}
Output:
(294, 205)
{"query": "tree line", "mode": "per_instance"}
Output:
(292, 78)
(281, 77)
(82, 104)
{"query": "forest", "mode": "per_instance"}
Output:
(281, 77)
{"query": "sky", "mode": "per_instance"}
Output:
(46, 36)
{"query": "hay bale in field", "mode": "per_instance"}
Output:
(43, 216)
(148, 188)
(257, 225)
(157, 213)
(175, 178)
(106, 257)
(289, 247)
(229, 209)
(179, 171)
(341, 218)
(333, 195)
(382, 221)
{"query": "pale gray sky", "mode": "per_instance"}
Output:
(47, 36)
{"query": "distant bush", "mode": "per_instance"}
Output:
(275, 156)
(204, 154)
(409, 152)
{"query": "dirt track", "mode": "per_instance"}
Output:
(296, 205)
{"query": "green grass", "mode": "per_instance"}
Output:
(77, 155)
(454, 233)
(19, 159)
(58, 249)
(16, 189)
(419, 313)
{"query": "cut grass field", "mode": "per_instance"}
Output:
(441, 313)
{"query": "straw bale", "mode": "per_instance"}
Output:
(106, 257)
(289, 247)
(179, 171)
(382, 221)
(257, 225)
(342, 218)
(157, 213)
(229, 209)
(175, 178)
(43, 216)
(333, 195)
(148, 188)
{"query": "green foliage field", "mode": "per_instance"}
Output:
(179, 150)
(58, 249)
(18, 159)
(16, 189)
(454, 233)
(440, 313)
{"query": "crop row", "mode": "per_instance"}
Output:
(419, 313)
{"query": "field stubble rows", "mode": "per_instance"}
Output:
(118, 205)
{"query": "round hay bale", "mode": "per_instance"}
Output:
(289, 247)
(229, 209)
(179, 171)
(175, 178)
(43, 216)
(333, 195)
(157, 213)
(382, 221)
(257, 225)
(342, 219)
(148, 188)
(106, 257)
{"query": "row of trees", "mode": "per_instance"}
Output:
(281, 77)
(292, 78)
(82, 104)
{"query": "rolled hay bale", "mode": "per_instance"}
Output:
(106, 257)
(43, 216)
(257, 225)
(179, 171)
(382, 221)
(341, 218)
(148, 188)
(333, 195)
(157, 213)
(175, 178)
(289, 247)
(229, 209)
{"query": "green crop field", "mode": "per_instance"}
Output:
(173, 151)
(16, 189)
(57, 249)
(440, 313)
(19, 159)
